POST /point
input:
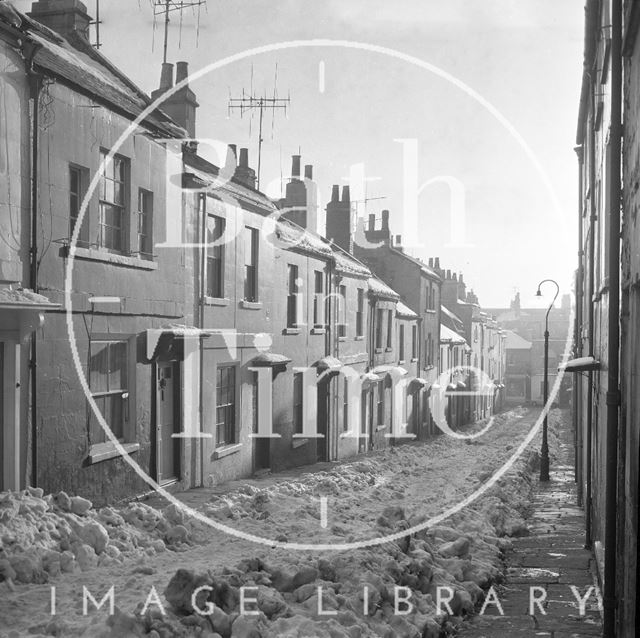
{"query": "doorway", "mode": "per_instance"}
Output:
(167, 448)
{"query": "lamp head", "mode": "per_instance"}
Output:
(538, 293)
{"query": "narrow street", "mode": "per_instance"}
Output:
(370, 497)
(552, 558)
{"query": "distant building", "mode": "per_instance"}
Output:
(518, 371)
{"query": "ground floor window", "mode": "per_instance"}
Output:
(111, 382)
(226, 405)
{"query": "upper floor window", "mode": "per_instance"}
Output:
(78, 180)
(342, 311)
(414, 342)
(379, 320)
(401, 342)
(389, 328)
(292, 297)
(360, 314)
(114, 187)
(215, 256)
(318, 299)
(145, 223)
(251, 264)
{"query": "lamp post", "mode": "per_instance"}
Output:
(544, 451)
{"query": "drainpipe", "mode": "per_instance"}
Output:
(577, 336)
(590, 314)
(202, 199)
(35, 84)
(613, 321)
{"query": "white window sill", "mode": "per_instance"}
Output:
(342, 338)
(298, 442)
(381, 427)
(226, 450)
(216, 301)
(414, 359)
(94, 254)
(291, 331)
(388, 349)
(378, 350)
(318, 331)
(401, 362)
(359, 338)
(105, 451)
(251, 305)
(431, 312)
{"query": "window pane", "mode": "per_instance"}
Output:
(98, 367)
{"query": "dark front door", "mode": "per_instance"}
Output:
(323, 419)
(167, 422)
(362, 439)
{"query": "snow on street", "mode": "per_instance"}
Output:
(57, 541)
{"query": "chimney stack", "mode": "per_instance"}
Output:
(436, 264)
(308, 171)
(340, 219)
(448, 275)
(335, 193)
(181, 106)
(346, 195)
(69, 18)
(430, 262)
(244, 173)
(372, 222)
(300, 202)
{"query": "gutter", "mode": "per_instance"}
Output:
(613, 320)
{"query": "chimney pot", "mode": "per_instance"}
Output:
(244, 158)
(346, 194)
(335, 193)
(430, 262)
(166, 76)
(182, 72)
(437, 263)
(460, 279)
(385, 220)
(448, 276)
(295, 166)
(372, 222)
(308, 171)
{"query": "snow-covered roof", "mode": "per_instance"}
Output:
(449, 336)
(24, 298)
(581, 364)
(76, 62)
(402, 310)
(515, 342)
(379, 289)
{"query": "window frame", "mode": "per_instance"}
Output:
(389, 341)
(145, 195)
(341, 310)
(318, 299)
(83, 174)
(127, 394)
(298, 403)
(293, 321)
(215, 255)
(123, 206)
(360, 313)
(252, 243)
(400, 341)
(235, 405)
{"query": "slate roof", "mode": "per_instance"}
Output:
(75, 62)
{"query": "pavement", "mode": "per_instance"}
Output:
(547, 564)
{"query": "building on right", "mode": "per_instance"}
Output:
(606, 363)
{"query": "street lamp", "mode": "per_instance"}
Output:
(544, 451)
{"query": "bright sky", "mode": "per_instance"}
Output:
(524, 57)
